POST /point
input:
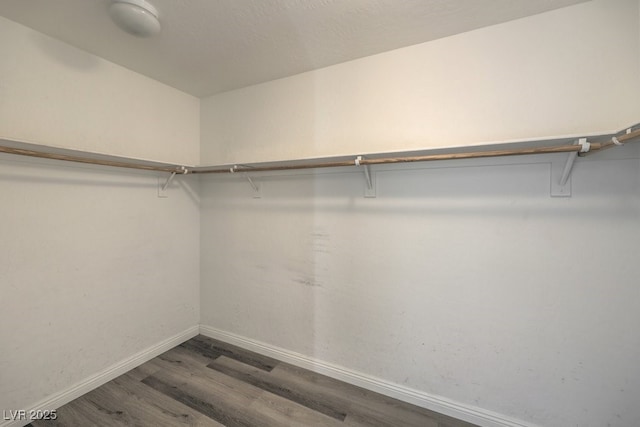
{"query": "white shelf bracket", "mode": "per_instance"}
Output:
(561, 176)
(370, 190)
(256, 188)
(164, 186)
(618, 143)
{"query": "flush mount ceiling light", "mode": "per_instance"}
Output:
(137, 17)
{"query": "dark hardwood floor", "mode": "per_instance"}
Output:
(204, 382)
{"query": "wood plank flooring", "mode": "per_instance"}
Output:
(205, 382)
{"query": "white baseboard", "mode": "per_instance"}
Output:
(439, 404)
(94, 381)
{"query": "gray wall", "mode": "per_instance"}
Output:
(461, 280)
(94, 268)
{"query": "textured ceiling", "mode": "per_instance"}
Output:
(210, 46)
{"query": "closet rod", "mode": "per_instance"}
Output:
(615, 141)
(177, 169)
(77, 159)
(570, 148)
(405, 159)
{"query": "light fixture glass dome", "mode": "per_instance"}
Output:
(136, 17)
